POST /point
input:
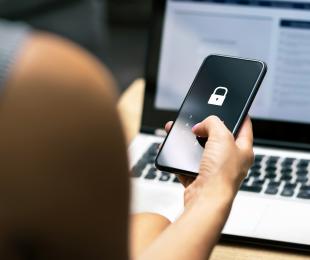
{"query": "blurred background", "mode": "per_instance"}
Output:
(114, 30)
(128, 22)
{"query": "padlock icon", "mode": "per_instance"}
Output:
(216, 98)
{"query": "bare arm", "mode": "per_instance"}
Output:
(194, 234)
(209, 197)
(145, 228)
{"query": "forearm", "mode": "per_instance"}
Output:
(145, 228)
(194, 234)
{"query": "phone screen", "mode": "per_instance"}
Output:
(225, 87)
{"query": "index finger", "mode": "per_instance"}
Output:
(211, 127)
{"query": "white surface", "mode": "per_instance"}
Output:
(266, 217)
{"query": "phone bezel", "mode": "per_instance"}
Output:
(242, 116)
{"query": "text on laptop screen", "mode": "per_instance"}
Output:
(277, 32)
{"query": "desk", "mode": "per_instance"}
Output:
(130, 108)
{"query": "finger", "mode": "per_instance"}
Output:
(212, 126)
(245, 136)
(185, 180)
(168, 126)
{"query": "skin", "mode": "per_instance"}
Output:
(209, 195)
(145, 228)
(64, 185)
(64, 180)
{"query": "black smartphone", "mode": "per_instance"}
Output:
(225, 87)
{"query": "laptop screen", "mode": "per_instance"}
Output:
(276, 31)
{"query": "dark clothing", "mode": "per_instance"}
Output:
(82, 21)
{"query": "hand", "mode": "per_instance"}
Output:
(224, 164)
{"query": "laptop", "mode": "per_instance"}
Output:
(273, 204)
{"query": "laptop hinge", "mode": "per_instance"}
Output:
(279, 144)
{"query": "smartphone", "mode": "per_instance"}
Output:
(225, 87)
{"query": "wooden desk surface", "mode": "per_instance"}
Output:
(130, 108)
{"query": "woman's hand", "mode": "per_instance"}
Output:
(224, 164)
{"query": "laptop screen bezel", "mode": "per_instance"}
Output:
(267, 132)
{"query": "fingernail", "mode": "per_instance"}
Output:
(195, 127)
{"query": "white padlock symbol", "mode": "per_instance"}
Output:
(217, 99)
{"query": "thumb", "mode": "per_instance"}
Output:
(212, 126)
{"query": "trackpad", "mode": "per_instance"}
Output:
(286, 221)
(246, 213)
(271, 219)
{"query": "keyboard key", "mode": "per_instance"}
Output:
(151, 175)
(152, 169)
(289, 185)
(286, 170)
(136, 172)
(256, 167)
(254, 173)
(257, 172)
(286, 177)
(164, 176)
(272, 159)
(259, 157)
(256, 188)
(271, 190)
(302, 179)
(301, 168)
(301, 172)
(304, 194)
(271, 168)
(286, 164)
(288, 161)
(150, 159)
(151, 153)
(270, 175)
(154, 147)
(274, 183)
(305, 188)
(287, 192)
(258, 182)
(139, 167)
(176, 180)
(303, 163)
(246, 180)
(142, 163)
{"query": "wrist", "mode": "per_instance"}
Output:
(219, 201)
(218, 189)
(215, 209)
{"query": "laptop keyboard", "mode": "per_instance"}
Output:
(145, 167)
(271, 175)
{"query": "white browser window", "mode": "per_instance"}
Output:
(277, 32)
